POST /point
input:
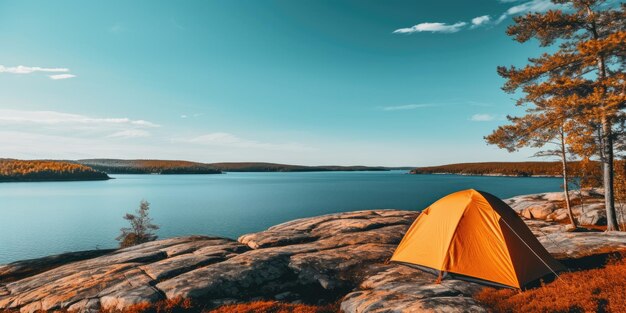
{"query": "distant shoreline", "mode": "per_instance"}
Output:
(509, 169)
(119, 166)
(53, 180)
(98, 169)
(12, 170)
(489, 175)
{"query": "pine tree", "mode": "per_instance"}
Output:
(584, 78)
(537, 129)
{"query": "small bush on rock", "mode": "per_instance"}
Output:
(141, 227)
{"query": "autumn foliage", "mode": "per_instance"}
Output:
(37, 170)
(574, 93)
(113, 166)
(594, 290)
(505, 168)
(275, 307)
(182, 305)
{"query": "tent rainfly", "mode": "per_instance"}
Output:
(475, 236)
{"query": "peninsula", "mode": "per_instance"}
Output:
(518, 169)
(12, 170)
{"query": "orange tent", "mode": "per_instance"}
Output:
(473, 235)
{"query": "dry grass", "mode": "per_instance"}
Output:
(275, 307)
(180, 305)
(594, 290)
(176, 305)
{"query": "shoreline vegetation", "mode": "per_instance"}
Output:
(119, 166)
(46, 170)
(510, 169)
(12, 170)
(274, 167)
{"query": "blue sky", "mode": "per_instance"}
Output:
(301, 82)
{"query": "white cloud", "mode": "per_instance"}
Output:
(61, 76)
(530, 6)
(130, 133)
(480, 20)
(432, 27)
(229, 140)
(534, 6)
(192, 115)
(21, 69)
(75, 125)
(484, 117)
(13, 117)
(218, 138)
(407, 107)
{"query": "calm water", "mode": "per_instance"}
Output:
(38, 219)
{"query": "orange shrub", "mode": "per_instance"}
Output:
(594, 290)
(275, 307)
(175, 305)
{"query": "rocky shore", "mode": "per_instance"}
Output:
(337, 257)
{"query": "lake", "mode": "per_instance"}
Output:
(38, 219)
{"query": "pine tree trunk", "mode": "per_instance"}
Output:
(607, 141)
(607, 173)
(566, 181)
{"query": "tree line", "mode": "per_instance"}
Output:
(114, 166)
(37, 170)
(574, 94)
(523, 169)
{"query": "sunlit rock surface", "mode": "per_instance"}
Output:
(324, 257)
(403, 289)
(551, 207)
(327, 255)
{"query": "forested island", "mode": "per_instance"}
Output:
(97, 169)
(12, 170)
(117, 166)
(274, 167)
(44, 170)
(522, 169)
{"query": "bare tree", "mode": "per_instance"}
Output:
(141, 227)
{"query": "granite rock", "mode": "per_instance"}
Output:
(325, 257)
